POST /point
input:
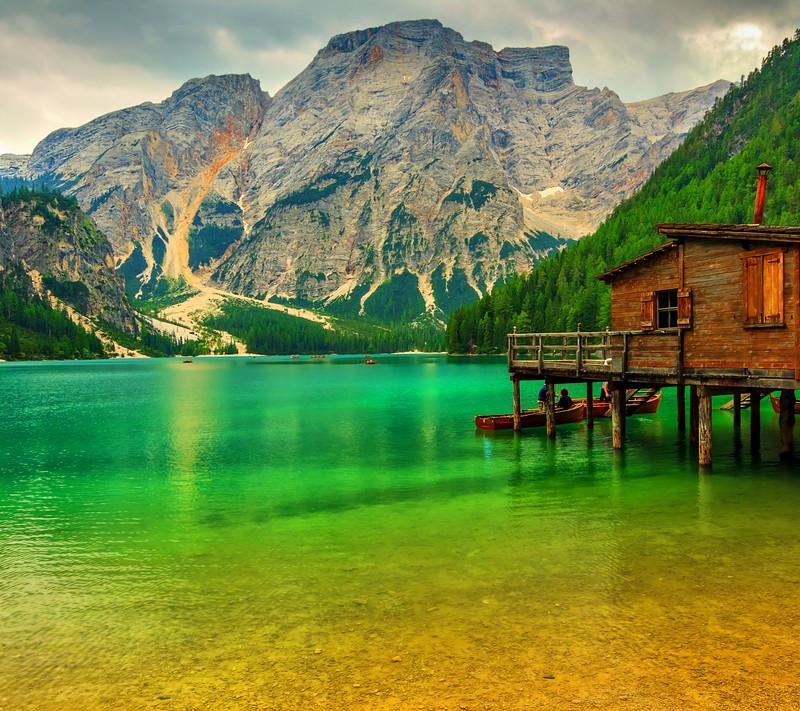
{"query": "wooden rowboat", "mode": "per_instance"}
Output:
(531, 418)
(776, 404)
(599, 409)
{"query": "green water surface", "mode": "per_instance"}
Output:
(306, 533)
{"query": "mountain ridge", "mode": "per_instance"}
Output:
(400, 150)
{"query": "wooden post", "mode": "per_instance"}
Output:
(589, 404)
(755, 422)
(617, 414)
(787, 425)
(517, 406)
(737, 409)
(540, 353)
(681, 398)
(693, 404)
(704, 425)
(550, 409)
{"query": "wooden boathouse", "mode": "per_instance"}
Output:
(715, 308)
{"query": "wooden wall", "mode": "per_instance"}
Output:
(718, 338)
(653, 350)
(713, 271)
(660, 272)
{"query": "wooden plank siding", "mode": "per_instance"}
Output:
(628, 287)
(653, 350)
(656, 349)
(721, 336)
(713, 306)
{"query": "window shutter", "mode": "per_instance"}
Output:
(752, 290)
(773, 288)
(648, 311)
(685, 308)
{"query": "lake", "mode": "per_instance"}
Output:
(276, 533)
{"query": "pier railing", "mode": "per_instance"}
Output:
(591, 353)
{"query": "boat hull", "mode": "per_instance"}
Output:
(599, 409)
(776, 405)
(530, 418)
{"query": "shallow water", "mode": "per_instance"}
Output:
(277, 534)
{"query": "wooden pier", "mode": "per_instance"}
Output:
(612, 356)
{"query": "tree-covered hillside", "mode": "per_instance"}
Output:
(44, 227)
(272, 332)
(710, 179)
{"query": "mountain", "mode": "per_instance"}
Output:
(404, 171)
(53, 258)
(710, 178)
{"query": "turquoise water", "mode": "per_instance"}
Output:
(277, 534)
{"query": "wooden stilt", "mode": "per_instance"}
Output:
(787, 425)
(617, 414)
(681, 398)
(517, 406)
(589, 405)
(704, 425)
(755, 423)
(693, 404)
(737, 409)
(550, 410)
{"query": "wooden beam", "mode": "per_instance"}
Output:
(517, 406)
(787, 425)
(755, 422)
(617, 413)
(681, 398)
(796, 292)
(737, 410)
(550, 409)
(589, 404)
(693, 414)
(704, 426)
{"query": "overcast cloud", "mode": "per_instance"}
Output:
(64, 63)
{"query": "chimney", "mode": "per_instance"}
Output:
(761, 193)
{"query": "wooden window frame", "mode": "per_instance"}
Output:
(651, 312)
(763, 284)
(668, 312)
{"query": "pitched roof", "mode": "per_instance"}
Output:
(646, 257)
(677, 231)
(742, 232)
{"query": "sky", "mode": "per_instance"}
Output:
(65, 62)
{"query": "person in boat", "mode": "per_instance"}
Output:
(542, 396)
(565, 401)
(605, 393)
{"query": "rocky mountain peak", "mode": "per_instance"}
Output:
(542, 69)
(402, 160)
(416, 31)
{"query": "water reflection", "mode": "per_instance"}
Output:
(248, 529)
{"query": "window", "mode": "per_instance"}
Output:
(763, 289)
(667, 308)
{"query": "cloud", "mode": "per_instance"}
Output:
(65, 60)
(47, 84)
